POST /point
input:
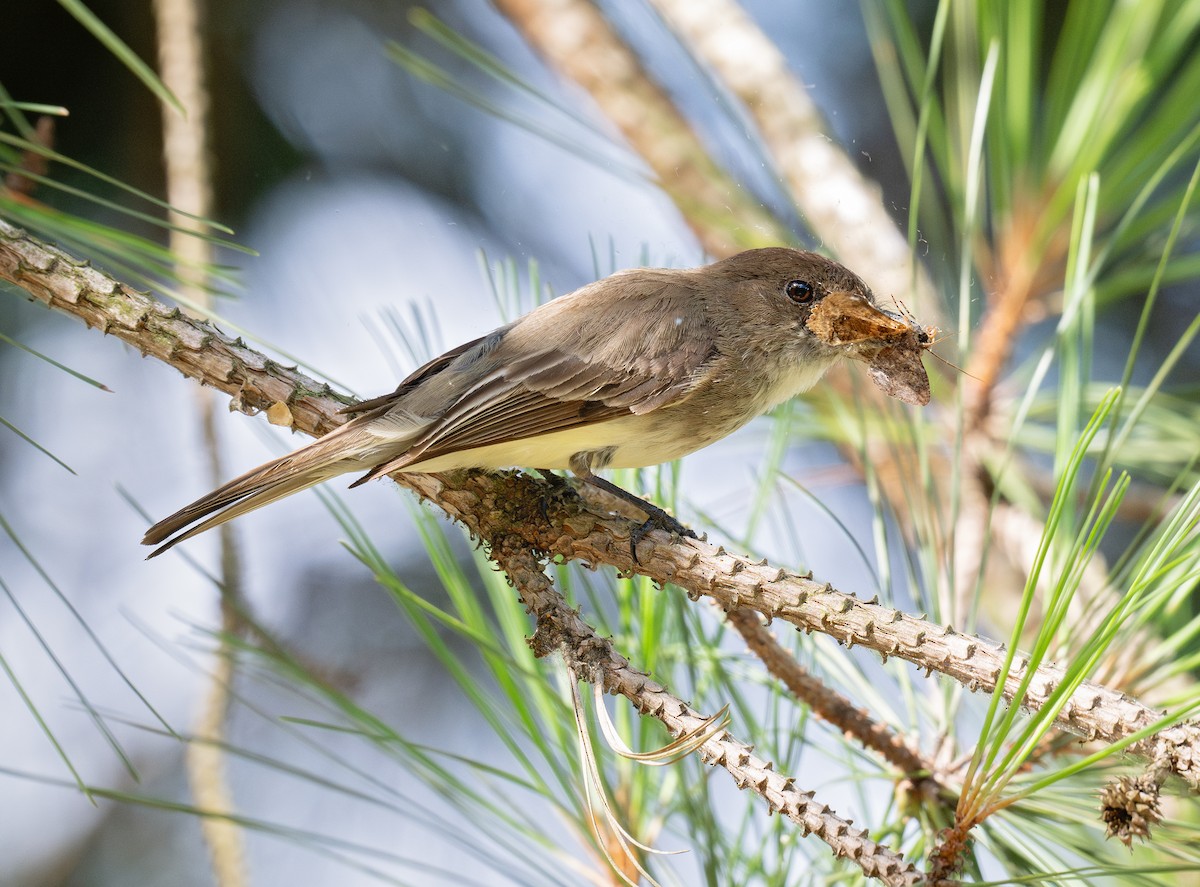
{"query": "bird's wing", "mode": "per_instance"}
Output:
(560, 372)
(385, 402)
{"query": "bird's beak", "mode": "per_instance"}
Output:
(856, 324)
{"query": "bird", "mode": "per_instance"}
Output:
(639, 368)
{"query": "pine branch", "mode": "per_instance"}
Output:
(493, 505)
(560, 629)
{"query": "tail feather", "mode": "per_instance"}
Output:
(227, 512)
(319, 461)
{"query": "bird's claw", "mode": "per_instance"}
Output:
(658, 520)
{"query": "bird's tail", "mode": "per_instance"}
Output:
(336, 453)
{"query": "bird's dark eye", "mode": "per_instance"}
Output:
(800, 291)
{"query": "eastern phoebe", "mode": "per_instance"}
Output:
(642, 367)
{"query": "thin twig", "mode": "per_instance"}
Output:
(19, 181)
(189, 191)
(825, 702)
(1021, 271)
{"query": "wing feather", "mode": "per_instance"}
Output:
(546, 375)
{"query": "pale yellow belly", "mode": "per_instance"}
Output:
(638, 441)
(650, 439)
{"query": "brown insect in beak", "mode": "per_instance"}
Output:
(890, 345)
(848, 319)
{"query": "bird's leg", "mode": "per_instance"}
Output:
(657, 518)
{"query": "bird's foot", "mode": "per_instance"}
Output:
(658, 520)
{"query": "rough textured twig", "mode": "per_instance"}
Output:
(826, 703)
(484, 504)
(560, 629)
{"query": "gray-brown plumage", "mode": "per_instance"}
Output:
(640, 368)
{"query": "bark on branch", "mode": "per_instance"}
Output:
(561, 629)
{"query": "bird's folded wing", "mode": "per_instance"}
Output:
(538, 379)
